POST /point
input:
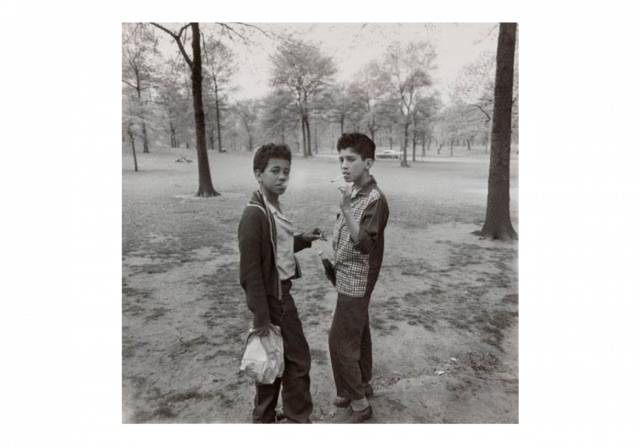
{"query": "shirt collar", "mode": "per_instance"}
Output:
(273, 209)
(366, 190)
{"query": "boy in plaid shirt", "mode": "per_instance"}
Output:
(358, 242)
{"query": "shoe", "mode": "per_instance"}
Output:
(281, 418)
(351, 416)
(344, 402)
(290, 421)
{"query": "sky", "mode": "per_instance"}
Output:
(352, 45)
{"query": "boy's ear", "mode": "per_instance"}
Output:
(258, 175)
(368, 163)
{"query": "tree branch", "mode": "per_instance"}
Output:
(132, 34)
(231, 30)
(483, 112)
(177, 39)
(248, 25)
(129, 84)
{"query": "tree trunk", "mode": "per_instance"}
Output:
(424, 140)
(283, 143)
(308, 136)
(172, 130)
(451, 148)
(133, 148)
(440, 147)
(145, 139)
(468, 145)
(315, 131)
(204, 173)
(333, 141)
(304, 137)
(218, 128)
(497, 224)
(306, 123)
(413, 158)
(405, 143)
(429, 145)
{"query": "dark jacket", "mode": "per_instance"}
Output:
(257, 239)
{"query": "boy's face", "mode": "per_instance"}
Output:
(275, 177)
(352, 165)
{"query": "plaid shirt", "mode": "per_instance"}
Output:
(358, 264)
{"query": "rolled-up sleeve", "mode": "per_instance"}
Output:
(374, 219)
(299, 243)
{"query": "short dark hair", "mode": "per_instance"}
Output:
(359, 143)
(268, 151)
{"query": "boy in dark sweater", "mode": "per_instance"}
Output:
(267, 266)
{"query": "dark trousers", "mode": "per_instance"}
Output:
(295, 381)
(350, 346)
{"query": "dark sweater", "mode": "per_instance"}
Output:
(257, 239)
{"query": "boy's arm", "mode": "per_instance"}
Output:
(299, 242)
(374, 221)
(250, 243)
(345, 207)
(304, 240)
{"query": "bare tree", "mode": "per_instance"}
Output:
(407, 72)
(497, 224)
(344, 104)
(139, 46)
(247, 113)
(173, 95)
(279, 116)
(422, 120)
(129, 124)
(368, 91)
(305, 72)
(475, 86)
(221, 66)
(205, 188)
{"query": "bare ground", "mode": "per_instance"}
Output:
(444, 314)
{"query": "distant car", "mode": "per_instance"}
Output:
(389, 154)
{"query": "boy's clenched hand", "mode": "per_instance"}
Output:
(345, 200)
(312, 235)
